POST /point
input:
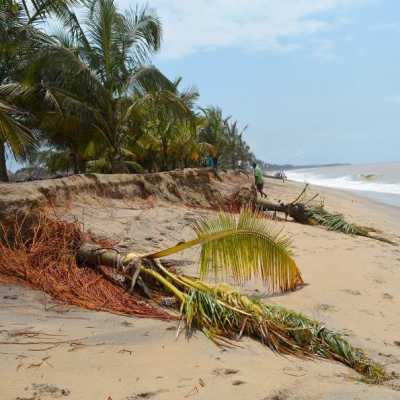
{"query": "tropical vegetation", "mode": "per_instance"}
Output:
(84, 95)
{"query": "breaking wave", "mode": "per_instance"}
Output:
(348, 182)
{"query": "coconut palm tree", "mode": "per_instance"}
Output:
(214, 132)
(185, 148)
(95, 78)
(165, 124)
(234, 145)
(20, 41)
(97, 72)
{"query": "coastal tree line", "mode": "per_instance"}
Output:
(85, 97)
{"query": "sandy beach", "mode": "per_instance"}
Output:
(199, 200)
(352, 285)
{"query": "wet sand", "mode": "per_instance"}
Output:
(353, 285)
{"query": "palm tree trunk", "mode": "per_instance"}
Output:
(164, 155)
(76, 163)
(3, 165)
(82, 166)
(117, 160)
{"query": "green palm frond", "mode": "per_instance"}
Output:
(12, 131)
(224, 315)
(252, 250)
(75, 31)
(147, 79)
(166, 103)
(243, 247)
(142, 32)
(43, 8)
(335, 222)
(134, 167)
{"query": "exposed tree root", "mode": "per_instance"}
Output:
(43, 256)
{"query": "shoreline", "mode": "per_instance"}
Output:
(353, 286)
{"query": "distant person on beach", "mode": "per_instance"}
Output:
(259, 180)
(212, 162)
(215, 163)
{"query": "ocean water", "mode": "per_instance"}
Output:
(380, 182)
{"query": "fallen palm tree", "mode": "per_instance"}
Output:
(241, 246)
(305, 211)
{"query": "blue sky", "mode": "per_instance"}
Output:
(317, 81)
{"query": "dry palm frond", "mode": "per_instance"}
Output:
(244, 247)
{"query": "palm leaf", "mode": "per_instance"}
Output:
(147, 79)
(42, 8)
(335, 222)
(224, 315)
(12, 131)
(243, 247)
(134, 166)
(142, 33)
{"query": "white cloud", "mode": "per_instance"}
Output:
(197, 25)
